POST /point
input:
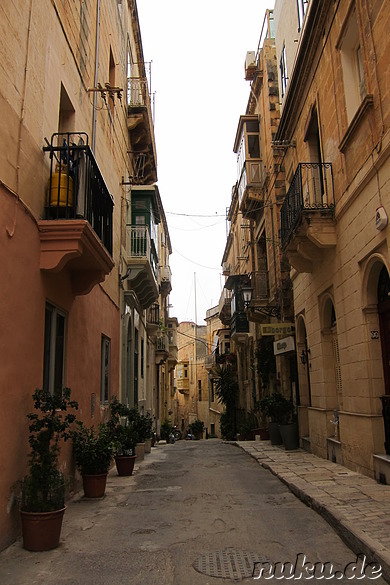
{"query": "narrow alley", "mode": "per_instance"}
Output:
(193, 513)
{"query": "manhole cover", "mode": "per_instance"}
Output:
(228, 564)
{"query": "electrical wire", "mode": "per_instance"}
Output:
(197, 263)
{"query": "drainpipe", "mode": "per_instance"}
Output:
(93, 140)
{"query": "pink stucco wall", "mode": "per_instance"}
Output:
(24, 289)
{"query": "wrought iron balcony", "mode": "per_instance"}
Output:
(162, 349)
(76, 188)
(142, 263)
(77, 231)
(307, 215)
(141, 130)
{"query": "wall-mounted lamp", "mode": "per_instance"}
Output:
(247, 294)
(304, 357)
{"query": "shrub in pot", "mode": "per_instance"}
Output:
(123, 436)
(197, 428)
(165, 430)
(92, 451)
(279, 410)
(43, 489)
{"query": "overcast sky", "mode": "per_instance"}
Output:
(198, 53)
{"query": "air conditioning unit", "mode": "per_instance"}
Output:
(250, 65)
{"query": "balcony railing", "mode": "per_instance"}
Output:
(76, 188)
(138, 245)
(137, 92)
(162, 344)
(153, 314)
(311, 190)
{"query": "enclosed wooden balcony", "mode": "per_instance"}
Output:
(308, 227)
(142, 265)
(77, 232)
(165, 280)
(250, 179)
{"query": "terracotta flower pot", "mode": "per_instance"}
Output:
(41, 530)
(125, 464)
(94, 485)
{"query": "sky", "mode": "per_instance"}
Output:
(197, 52)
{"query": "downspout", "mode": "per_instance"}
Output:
(93, 139)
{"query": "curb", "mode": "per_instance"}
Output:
(358, 543)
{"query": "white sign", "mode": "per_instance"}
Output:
(284, 345)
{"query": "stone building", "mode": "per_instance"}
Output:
(334, 138)
(77, 164)
(191, 374)
(256, 303)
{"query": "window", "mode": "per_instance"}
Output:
(301, 6)
(105, 370)
(212, 391)
(352, 64)
(54, 349)
(283, 71)
(200, 390)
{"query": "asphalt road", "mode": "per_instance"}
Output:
(194, 513)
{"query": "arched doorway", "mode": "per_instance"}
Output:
(384, 323)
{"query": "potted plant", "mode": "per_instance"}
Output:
(279, 410)
(165, 430)
(92, 451)
(43, 489)
(123, 436)
(147, 431)
(197, 428)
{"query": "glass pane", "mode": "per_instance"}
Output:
(59, 353)
(46, 350)
(253, 146)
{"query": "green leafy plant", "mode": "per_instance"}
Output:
(247, 424)
(43, 489)
(165, 429)
(227, 426)
(197, 427)
(92, 450)
(277, 407)
(122, 429)
(226, 385)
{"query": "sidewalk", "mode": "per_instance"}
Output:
(356, 506)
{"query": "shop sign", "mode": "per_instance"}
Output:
(277, 329)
